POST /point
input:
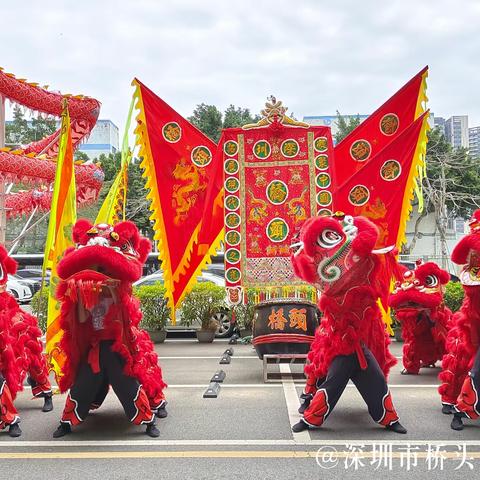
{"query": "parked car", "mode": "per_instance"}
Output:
(33, 276)
(223, 317)
(20, 290)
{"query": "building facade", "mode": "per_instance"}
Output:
(330, 121)
(102, 139)
(474, 141)
(456, 131)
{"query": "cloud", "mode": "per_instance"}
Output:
(316, 56)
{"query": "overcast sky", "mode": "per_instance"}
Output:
(317, 56)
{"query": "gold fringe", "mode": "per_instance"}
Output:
(414, 181)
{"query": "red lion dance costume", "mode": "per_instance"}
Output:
(102, 342)
(419, 307)
(351, 342)
(460, 374)
(20, 353)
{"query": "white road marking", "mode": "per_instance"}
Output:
(274, 385)
(292, 401)
(8, 444)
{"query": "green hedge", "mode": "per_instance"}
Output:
(201, 303)
(40, 308)
(155, 311)
(454, 295)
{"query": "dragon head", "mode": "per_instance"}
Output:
(330, 246)
(422, 287)
(7, 266)
(105, 253)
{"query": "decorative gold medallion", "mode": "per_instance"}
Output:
(320, 144)
(232, 255)
(201, 156)
(324, 198)
(290, 148)
(233, 275)
(390, 170)
(359, 195)
(232, 203)
(232, 184)
(233, 238)
(172, 132)
(323, 180)
(277, 192)
(230, 148)
(389, 124)
(231, 166)
(360, 150)
(232, 220)
(262, 149)
(321, 162)
(277, 230)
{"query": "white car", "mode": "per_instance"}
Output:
(20, 290)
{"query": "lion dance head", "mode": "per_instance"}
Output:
(420, 288)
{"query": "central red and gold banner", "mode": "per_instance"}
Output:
(276, 175)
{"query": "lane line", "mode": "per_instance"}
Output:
(219, 454)
(292, 401)
(270, 385)
(20, 444)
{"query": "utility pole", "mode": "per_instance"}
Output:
(3, 212)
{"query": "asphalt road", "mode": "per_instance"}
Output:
(245, 432)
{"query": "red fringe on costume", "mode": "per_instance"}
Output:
(462, 345)
(21, 348)
(121, 326)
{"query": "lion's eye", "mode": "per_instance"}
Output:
(329, 239)
(431, 281)
(124, 247)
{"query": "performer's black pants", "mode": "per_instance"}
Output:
(88, 385)
(370, 382)
(468, 401)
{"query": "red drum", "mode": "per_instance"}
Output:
(283, 326)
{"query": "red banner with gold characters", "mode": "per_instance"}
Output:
(276, 175)
(358, 148)
(382, 191)
(179, 164)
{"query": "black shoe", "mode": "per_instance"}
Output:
(457, 423)
(448, 409)
(299, 427)
(307, 398)
(396, 427)
(47, 403)
(14, 430)
(162, 411)
(152, 430)
(62, 430)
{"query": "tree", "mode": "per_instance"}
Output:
(81, 156)
(237, 117)
(22, 132)
(16, 131)
(345, 125)
(450, 188)
(208, 119)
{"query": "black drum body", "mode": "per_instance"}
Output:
(284, 326)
